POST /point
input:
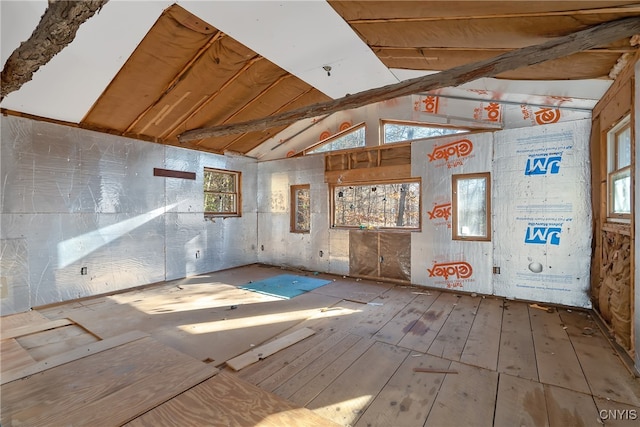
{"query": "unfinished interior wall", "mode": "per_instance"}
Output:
(82, 214)
(613, 292)
(277, 245)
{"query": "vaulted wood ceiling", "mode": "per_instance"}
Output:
(186, 74)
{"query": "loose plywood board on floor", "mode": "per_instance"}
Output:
(467, 398)
(453, 335)
(408, 396)
(594, 351)
(517, 355)
(556, 358)
(266, 350)
(483, 343)
(422, 333)
(520, 402)
(226, 400)
(107, 388)
(351, 393)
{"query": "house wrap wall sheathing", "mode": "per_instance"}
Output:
(541, 215)
(73, 198)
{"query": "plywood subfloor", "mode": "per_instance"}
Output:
(505, 363)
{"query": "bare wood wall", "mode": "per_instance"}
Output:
(612, 279)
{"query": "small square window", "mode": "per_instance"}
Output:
(221, 192)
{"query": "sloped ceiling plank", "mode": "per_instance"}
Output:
(356, 10)
(172, 42)
(592, 65)
(56, 29)
(221, 64)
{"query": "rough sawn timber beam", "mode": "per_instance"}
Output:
(56, 29)
(557, 48)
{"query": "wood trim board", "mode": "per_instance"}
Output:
(268, 349)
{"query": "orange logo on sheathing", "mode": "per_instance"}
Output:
(493, 112)
(545, 116)
(324, 135)
(345, 126)
(430, 104)
(456, 270)
(460, 148)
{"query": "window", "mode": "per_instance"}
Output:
(300, 208)
(221, 193)
(405, 131)
(471, 206)
(377, 205)
(619, 178)
(350, 138)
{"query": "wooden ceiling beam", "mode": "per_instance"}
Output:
(557, 48)
(56, 29)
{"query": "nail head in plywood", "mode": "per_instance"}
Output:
(268, 349)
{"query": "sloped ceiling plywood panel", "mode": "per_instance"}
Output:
(172, 42)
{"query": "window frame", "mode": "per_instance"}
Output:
(455, 202)
(294, 191)
(330, 139)
(383, 122)
(332, 199)
(237, 212)
(614, 172)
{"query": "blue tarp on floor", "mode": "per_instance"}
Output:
(285, 285)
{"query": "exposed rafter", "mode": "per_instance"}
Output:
(560, 47)
(56, 29)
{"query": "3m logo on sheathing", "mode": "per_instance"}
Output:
(460, 148)
(543, 165)
(441, 211)
(458, 270)
(543, 235)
